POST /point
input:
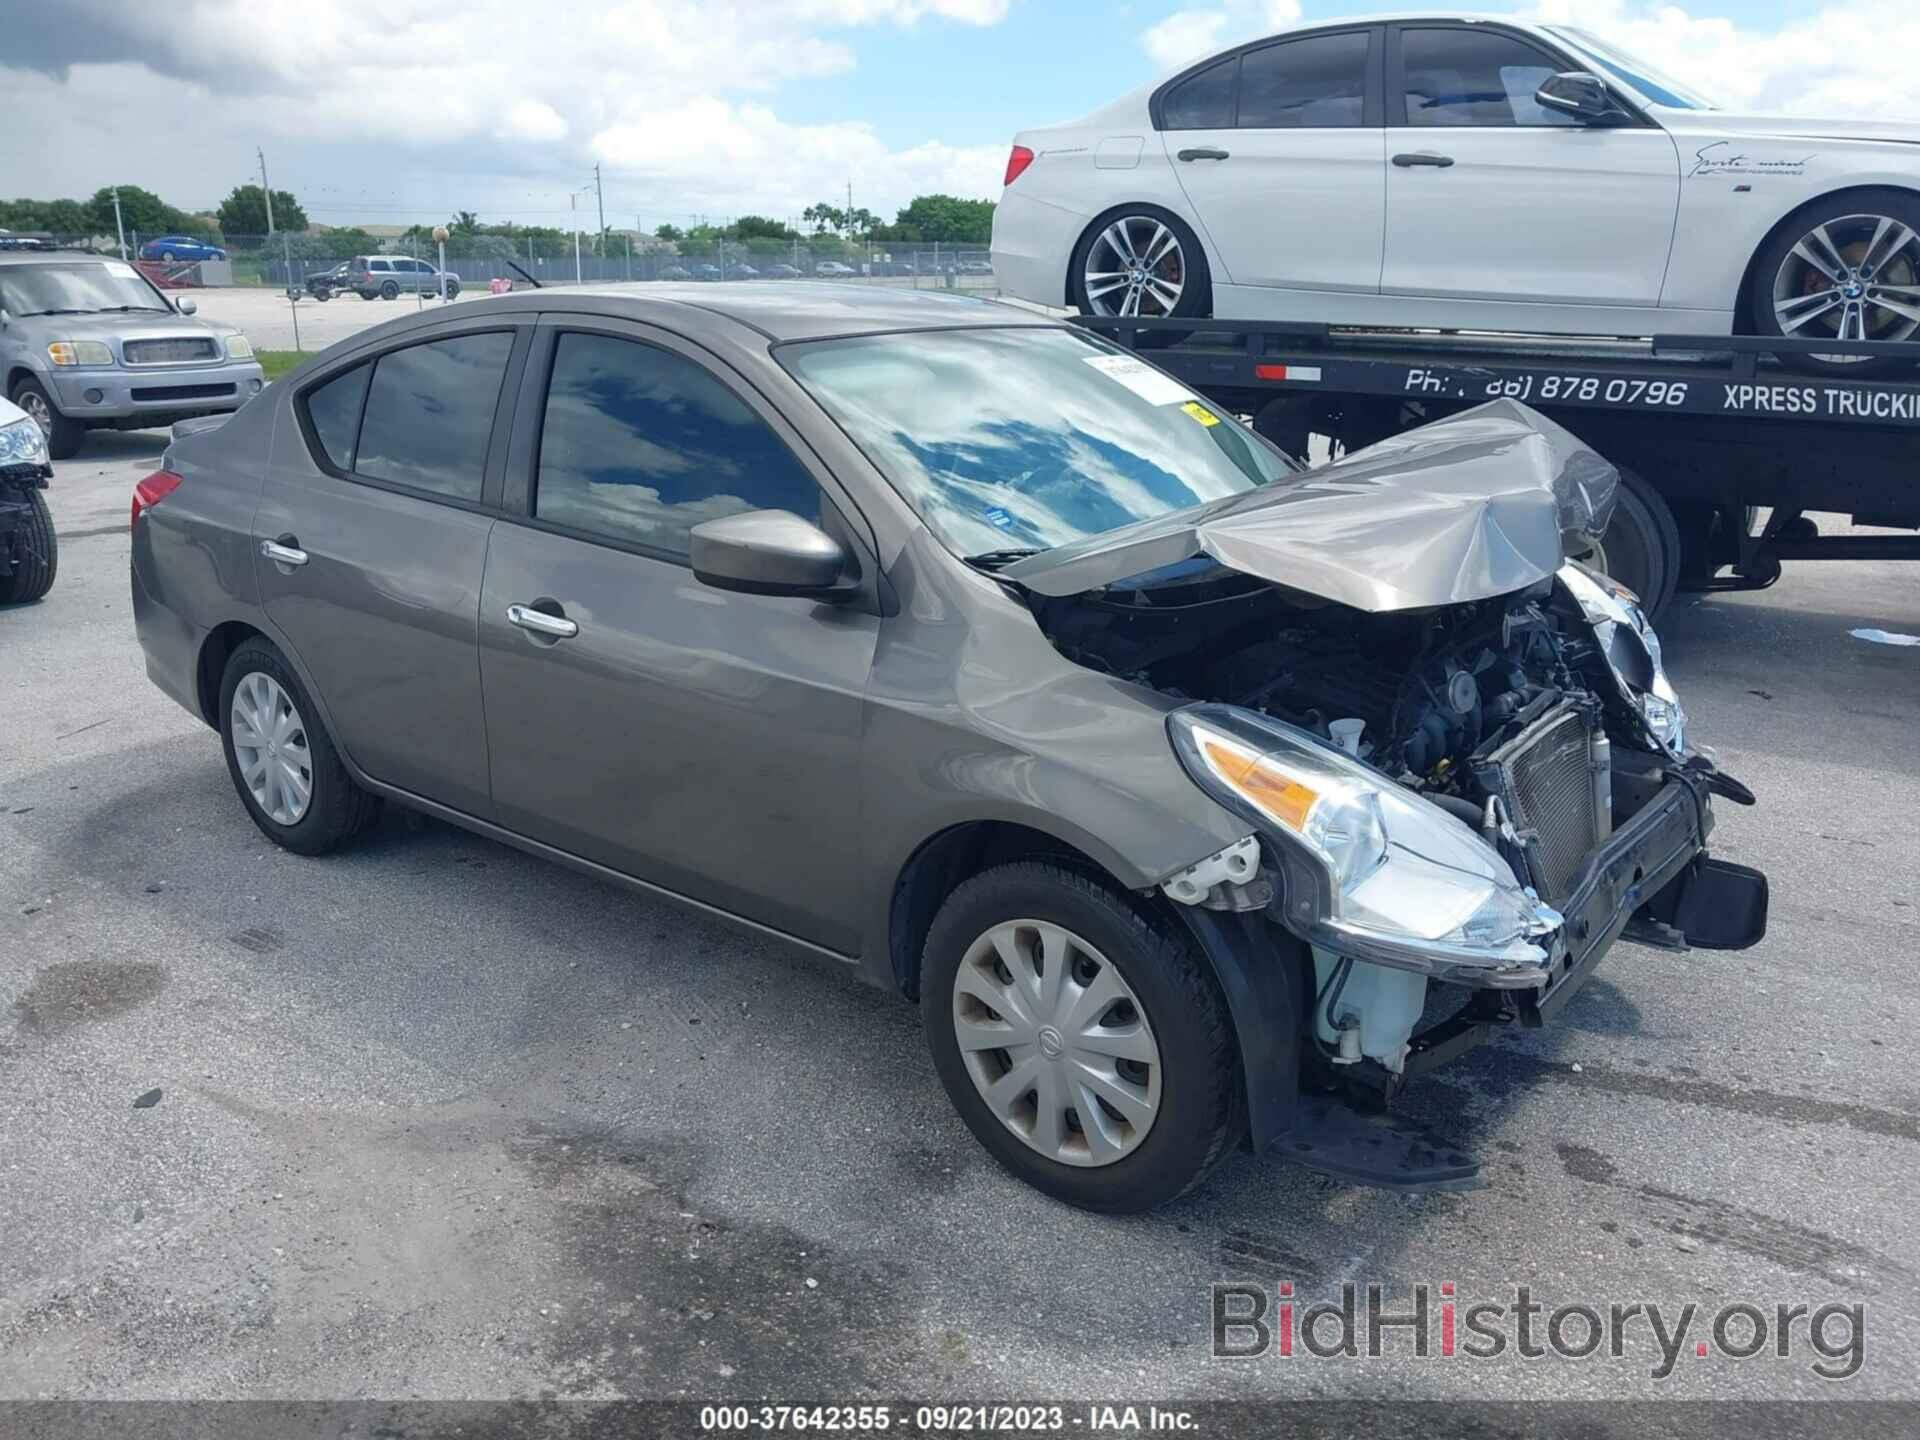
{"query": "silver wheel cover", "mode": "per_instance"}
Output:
(270, 746)
(1057, 1043)
(1136, 266)
(1855, 277)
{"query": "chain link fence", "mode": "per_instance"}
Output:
(341, 261)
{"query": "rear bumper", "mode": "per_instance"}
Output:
(1032, 247)
(164, 393)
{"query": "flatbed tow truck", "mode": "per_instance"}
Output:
(1706, 430)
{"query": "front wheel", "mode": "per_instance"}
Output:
(36, 556)
(453, 289)
(63, 435)
(1085, 1043)
(1844, 268)
(1641, 548)
(282, 761)
(390, 291)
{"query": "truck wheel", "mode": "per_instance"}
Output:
(281, 758)
(1641, 548)
(453, 289)
(1843, 268)
(1085, 1044)
(38, 556)
(63, 435)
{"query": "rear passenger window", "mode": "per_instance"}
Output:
(1203, 101)
(334, 409)
(429, 413)
(1316, 83)
(640, 445)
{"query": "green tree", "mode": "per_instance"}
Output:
(140, 210)
(759, 227)
(668, 232)
(824, 217)
(61, 217)
(244, 212)
(947, 219)
(464, 223)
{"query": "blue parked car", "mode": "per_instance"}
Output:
(180, 247)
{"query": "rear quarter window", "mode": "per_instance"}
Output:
(334, 410)
(429, 414)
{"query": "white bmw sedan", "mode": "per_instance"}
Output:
(1439, 171)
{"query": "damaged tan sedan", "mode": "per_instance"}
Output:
(1195, 798)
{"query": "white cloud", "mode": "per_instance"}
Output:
(493, 104)
(1848, 60)
(746, 157)
(1188, 35)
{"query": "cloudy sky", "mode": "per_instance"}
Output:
(402, 110)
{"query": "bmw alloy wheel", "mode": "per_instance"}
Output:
(270, 744)
(1057, 1043)
(1136, 266)
(1855, 277)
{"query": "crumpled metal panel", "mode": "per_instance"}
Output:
(1481, 504)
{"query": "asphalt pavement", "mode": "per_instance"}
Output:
(437, 1119)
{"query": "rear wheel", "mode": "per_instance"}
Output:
(36, 556)
(1085, 1044)
(1844, 268)
(1141, 261)
(283, 763)
(63, 435)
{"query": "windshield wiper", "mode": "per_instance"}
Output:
(143, 309)
(56, 312)
(994, 559)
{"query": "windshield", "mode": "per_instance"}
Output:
(1021, 440)
(1650, 82)
(76, 287)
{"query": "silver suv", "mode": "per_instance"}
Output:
(89, 343)
(391, 276)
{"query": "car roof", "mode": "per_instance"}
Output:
(805, 309)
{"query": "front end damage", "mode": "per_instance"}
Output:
(1464, 770)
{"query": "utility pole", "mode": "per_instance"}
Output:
(118, 228)
(601, 200)
(265, 188)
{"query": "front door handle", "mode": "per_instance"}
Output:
(284, 551)
(554, 627)
(1423, 157)
(1204, 152)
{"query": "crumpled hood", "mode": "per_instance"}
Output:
(1482, 504)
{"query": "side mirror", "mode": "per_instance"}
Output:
(769, 552)
(185, 306)
(1585, 97)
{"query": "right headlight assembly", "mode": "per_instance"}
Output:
(1371, 870)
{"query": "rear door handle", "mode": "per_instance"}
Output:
(1423, 157)
(284, 551)
(555, 627)
(1204, 152)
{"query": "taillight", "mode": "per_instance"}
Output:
(1017, 162)
(151, 491)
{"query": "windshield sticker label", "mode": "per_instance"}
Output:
(1000, 518)
(1720, 158)
(1200, 413)
(1142, 379)
(120, 268)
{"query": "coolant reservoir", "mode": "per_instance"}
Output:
(1381, 1003)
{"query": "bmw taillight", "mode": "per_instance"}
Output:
(151, 491)
(1017, 162)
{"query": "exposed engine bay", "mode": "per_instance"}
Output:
(1437, 690)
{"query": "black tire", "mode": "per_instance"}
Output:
(63, 435)
(453, 289)
(323, 294)
(1201, 1114)
(1642, 544)
(1196, 294)
(1774, 253)
(390, 291)
(38, 555)
(337, 809)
